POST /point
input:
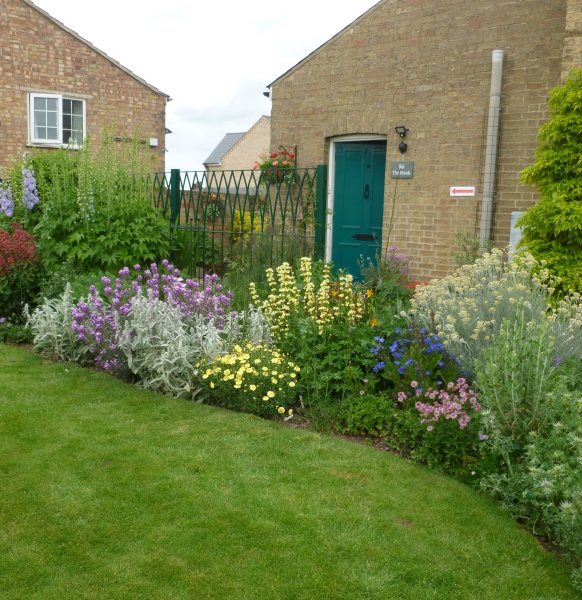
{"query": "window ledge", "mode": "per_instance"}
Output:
(55, 146)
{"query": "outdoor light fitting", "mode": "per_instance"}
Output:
(401, 131)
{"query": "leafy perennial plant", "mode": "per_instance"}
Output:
(254, 379)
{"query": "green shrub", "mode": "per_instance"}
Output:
(552, 229)
(544, 490)
(365, 414)
(96, 208)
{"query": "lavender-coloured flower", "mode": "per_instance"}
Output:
(29, 189)
(6, 202)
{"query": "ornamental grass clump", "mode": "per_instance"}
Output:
(467, 309)
(254, 379)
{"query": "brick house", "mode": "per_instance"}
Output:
(238, 151)
(427, 67)
(56, 88)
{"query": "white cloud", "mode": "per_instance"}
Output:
(213, 58)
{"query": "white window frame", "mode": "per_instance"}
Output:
(32, 140)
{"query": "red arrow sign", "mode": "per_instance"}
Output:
(466, 191)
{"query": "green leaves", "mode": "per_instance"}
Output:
(552, 229)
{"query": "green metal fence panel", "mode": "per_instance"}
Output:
(320, 206)
(223, 220)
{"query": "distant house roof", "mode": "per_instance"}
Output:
(228, 141)
(111, 60)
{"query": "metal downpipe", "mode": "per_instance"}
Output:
(486, 224)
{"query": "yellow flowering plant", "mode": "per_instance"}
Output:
(322, 301)
(253, 379)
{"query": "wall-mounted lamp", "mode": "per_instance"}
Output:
(401, 131)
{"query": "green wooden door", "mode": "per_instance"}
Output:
(358, 203)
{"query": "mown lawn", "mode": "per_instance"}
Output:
(107, 491)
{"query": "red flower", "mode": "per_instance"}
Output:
(15, 249)
(291, 156)
(274, 155)
(256, 166)
(285, 163)
(276, 163)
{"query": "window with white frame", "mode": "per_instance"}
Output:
(55, 120)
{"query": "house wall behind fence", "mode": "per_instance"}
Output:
(248, 149)
(427, 65)
(37, 55)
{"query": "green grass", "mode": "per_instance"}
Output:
(107, 491)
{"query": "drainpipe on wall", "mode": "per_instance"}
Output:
(486, 224)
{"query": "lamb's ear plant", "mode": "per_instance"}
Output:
(51, 325)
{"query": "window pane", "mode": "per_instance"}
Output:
(46, 115)
(51, 119)
(77, 107)
(40, 104)
(40, 118)
(73, 121)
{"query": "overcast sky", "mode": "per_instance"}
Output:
(214, 57)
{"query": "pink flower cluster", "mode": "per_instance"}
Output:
(452, 403)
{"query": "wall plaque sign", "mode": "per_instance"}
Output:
(402, 169)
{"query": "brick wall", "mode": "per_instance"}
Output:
(38, 55)
(427, 65)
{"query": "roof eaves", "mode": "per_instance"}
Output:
(328, 43)
(100, 52)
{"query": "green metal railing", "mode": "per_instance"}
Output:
(229, 220)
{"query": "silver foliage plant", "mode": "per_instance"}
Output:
(163, 349)
(51, 325)
(467, 309)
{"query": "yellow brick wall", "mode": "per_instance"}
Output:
(246, 151)
(427, 65)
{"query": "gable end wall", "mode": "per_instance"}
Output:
(37, 55)
(427, 65)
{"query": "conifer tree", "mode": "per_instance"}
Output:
(552, 229)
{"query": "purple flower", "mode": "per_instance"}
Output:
(6, 202)
(29, 189)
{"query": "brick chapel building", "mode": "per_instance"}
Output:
(56, 88)
(430, 69)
